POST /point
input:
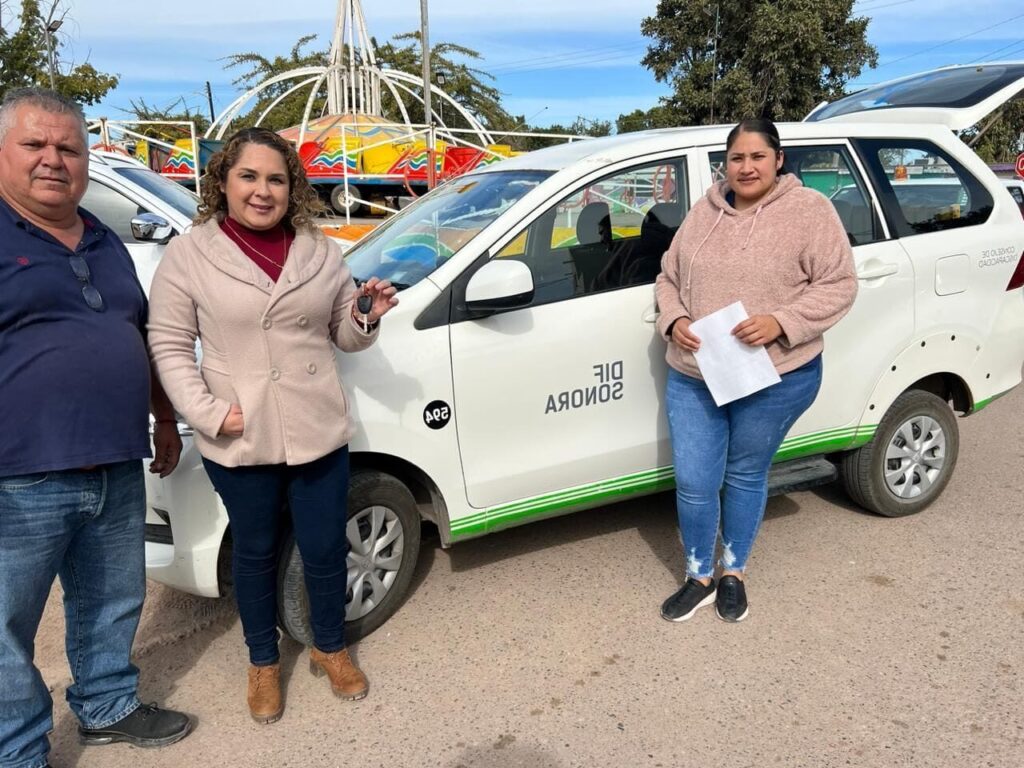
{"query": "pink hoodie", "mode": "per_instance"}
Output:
(788, 257)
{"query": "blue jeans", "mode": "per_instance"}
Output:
(86, 527)
(255, 496)
(722, 456)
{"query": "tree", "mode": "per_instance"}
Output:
(581, 126)
(24, 57)
(258, 68)
(1001, 143)
(772, 58)
(176, 111)
(464, 83)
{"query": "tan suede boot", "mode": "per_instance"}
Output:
(347, 681)
(264, 695)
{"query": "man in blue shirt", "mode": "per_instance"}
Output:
(75, 392)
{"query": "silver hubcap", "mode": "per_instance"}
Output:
(915, 457)
(377, 541)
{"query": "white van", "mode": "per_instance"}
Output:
(521, 376)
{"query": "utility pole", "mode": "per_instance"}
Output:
(52, 25)
(714, 61)
(428, 114)
(209, 98)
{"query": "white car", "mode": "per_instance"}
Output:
(521, 376)
(141, 207)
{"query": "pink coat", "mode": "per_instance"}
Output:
(788, 257)
(267, 347)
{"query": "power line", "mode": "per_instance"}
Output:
(950, 42)
(569, 64)
(986, 56)
(884, 5)
(582, 53)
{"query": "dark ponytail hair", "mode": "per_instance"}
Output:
(763, 126)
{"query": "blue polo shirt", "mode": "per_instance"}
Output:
(74, 382)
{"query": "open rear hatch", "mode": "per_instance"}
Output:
(957, 97)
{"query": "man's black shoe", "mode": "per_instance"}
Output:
(732, 599)
(684, 603)
(147, 726)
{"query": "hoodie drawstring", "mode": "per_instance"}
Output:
(689, 270)
(752, 225)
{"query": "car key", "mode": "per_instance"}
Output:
(364, 304)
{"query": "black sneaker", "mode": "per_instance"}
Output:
(147, 726)
(684, 603)
(732, 599)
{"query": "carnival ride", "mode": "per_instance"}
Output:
(356, 155)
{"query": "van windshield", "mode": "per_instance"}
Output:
(418, 240)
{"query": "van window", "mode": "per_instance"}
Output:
(921, 188)
(607, 235)
(829, 170)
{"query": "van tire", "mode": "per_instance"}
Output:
(374, 498)
(863, 471)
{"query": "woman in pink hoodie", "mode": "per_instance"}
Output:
(761, 238)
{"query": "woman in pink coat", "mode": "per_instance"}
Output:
(269, 297)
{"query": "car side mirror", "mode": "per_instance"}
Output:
(151, 228)
(499, 285)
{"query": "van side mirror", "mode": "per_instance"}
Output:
(151, 228)
(498, 285)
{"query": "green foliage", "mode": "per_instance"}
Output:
(774, 58)
(466, 84)
(1002, 142)
(257, 68)
(581, 126)
(175, 111)
(641, 120)
(23, 55)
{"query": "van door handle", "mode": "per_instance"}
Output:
(650, 315)
(880, 270)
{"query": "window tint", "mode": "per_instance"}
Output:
(1017, 194)
(610, 234)
(922, 189)
(830, 171)
(112, 208)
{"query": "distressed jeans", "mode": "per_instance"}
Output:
(86, 527)
(722, 455)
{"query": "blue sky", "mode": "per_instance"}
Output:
(553, 59)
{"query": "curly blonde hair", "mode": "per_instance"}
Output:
(303, 202)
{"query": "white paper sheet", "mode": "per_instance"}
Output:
(730, 368)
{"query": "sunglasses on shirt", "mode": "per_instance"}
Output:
(89, 293)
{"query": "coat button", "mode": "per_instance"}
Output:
(275, 374)
(311, 368)
(303, 321)
(267, 323)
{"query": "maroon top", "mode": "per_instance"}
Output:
(268, 248)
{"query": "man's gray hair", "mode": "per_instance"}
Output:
(41, 98)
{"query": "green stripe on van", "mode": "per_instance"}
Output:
(650, 481)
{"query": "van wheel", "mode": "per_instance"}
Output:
(907, 464)
(343, 203)
(384, 540)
